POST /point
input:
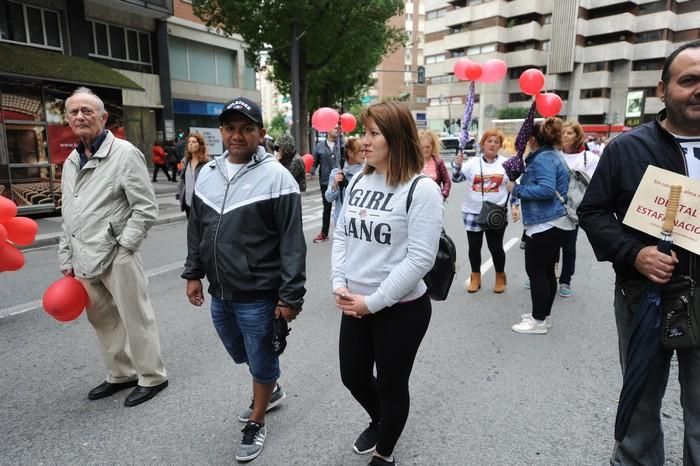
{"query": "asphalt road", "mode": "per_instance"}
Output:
(481, 394)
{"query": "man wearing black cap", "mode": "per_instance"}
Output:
(245, 235)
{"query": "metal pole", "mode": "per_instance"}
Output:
(296, 87)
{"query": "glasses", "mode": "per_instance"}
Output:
(86, 111)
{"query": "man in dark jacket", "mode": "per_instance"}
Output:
(670, 142)
(326, 158)
(245, 234)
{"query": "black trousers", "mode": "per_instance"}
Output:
(160, 167)
(327, 206)
(541, 252)
(388, 339)
(494, 240)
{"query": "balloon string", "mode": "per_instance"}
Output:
(467, 118)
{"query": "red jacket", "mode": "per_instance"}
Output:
(158, 155)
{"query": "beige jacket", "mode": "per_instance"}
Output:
(109, 203)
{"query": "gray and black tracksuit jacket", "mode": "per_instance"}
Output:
(246, 234)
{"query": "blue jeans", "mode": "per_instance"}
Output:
(568, 256)
(245, 329)
(644, 442)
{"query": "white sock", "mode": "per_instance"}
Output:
(540, 322)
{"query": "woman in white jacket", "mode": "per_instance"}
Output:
(577, 158)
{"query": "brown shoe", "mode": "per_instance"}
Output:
(474, 282)
(500, 285)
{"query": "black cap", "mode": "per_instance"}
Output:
(242, 105)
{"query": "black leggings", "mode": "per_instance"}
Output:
(494, 240)
(541, 252)
(390, 339)
(327, 206)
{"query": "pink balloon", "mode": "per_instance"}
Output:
(473, 71)
(460, 68)
(8, 209)
(324, 119)
(3, 234)
(65, 299)
(348, 122)
(548, 104)
(11, 259)
(21, 230)
(493, 70)
(308, 162)
(531, 81)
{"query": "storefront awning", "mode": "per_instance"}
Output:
(27, 61)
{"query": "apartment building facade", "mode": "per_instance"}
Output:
(602, 57)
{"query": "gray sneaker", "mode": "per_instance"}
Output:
(277, 396)
(252, 442)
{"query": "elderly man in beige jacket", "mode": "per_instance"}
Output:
(108, 207)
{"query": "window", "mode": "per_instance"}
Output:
(593, 67)
(546, 45)
(479, 49)
(30, 25)
(649, 36)
(434, 59)
(547, 19)
(518, 97)
(648, 65)
(595, 93)
(199, 62)
(119, 43)
(433, 14)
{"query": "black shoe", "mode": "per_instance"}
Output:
(106, 389)
(367, 440)
(377, 461)
(141, 394)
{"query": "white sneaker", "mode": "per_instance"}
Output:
(547, 320)
(530, 326)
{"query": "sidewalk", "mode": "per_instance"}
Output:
(168, 212)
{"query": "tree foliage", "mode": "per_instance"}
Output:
(508, 113)
(341, 42)
(278, 126)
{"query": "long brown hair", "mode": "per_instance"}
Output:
(396, 124)
(202, 155)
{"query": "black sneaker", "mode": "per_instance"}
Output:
(367, 440)
(252, 442)
(377, 461)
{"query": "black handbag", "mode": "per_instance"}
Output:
(492, 216)
(439, 279)
(680, 306)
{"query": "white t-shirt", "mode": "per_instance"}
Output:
(495, 181)
(233, 168)
(579, 162)
(691, 150)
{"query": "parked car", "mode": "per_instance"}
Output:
(450, 147)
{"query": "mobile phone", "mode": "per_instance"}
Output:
(342, 296)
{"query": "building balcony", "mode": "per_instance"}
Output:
(590, 4)
(608, 24)
(644, 78)
(596, 79)
(528, 57)
(470, 38)
(522, 7)
(656, 49)
(605, 52)
(158, 9)
(596, 106)
(531, 30)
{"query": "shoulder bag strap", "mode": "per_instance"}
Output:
(409, 198)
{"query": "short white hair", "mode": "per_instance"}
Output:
(88, 91)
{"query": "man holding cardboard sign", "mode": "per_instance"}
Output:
(671, 142)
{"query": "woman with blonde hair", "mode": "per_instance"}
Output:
(434, 166)
(196, 156)
(382, 249)
(487, 182)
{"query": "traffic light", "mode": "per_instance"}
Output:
(421, 75)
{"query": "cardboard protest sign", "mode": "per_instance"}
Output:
(646, 212)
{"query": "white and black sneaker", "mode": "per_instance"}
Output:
(252, 442)
(275, 399)
(367, 441)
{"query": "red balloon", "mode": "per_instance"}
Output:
(531, 81)
(324, 119)
(473, 71)
(11, 259)
(460, 68)
(348, 122)
(548, 104)
(65, 299)
(493, 70)
(3, 234)
(21, 230)
(8, 209)
(308, 162)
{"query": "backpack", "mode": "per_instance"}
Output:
(578, 183)
(439, 279)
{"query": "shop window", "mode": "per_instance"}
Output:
(30, 25)
(195, 61)
(21, 102)
(26, 144)
(119, 43)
